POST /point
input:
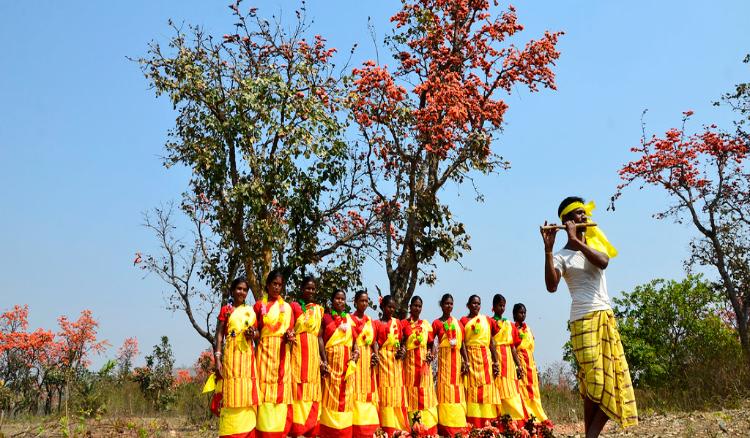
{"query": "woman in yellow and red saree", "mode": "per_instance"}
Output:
(276, 323)
(391, 389)
(420, 352)
(532, 398)
(340, 364)
(308, 348)
(451, 367)
(481, 394)
(365, 421)
(511, 371)
(235, 367)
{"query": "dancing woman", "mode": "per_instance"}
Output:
(532, 398)
(340, 359)
(451, 367)
(420, 352)
(235, 366)
(391, 389)
(603, 376)
(481, 394)
(276, 323)
(306, 360)
(365, 422)
(511, 371)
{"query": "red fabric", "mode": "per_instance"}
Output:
(309, 428)
(287, 427)
(450, 431)
(216, 403)
(330, 324)
(516, 336)
(382, 328)
(326, 432)
(296, 309)
(225, 311)
(364, 431)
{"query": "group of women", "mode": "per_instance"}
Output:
(294, 369)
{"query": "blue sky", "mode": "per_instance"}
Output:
(81, 135)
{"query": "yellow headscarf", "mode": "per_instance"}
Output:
(595, 237)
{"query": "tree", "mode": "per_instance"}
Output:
(671, 331)
(431, 121)
(125, 356)
(706, 176)
(274, 182)
(156, 378)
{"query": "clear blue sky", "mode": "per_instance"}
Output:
(81, 135)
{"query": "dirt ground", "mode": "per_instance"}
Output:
(724, 423)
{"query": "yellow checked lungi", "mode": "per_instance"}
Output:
(603, 375)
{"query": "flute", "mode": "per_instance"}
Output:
(562, 227)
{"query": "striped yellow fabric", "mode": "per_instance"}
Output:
(338, 391)
(479, 386)
(530, 394)
(506, 382)
(420, 392)
(274, 370)
(365, 385)
(450, 388)
(603, 375)
(391, 389)
(306, 367)
(240, 386)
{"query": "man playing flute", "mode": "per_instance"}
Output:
(603, 375)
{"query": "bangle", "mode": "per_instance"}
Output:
(548, 252)
(218, 353)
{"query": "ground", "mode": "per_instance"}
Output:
(724, 423)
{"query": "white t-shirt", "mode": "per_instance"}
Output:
(586, 282)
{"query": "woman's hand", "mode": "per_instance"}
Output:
(520, 373)
(289, 336)
(429, 358)
(495, 369)
(464, 368)
(400, 353)
(324, 370)
(217, 368)
(374, 359)
(355, 356)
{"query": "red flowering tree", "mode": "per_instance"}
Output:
(706, 176)
(127, 352)
(274, 183)
(431, 121)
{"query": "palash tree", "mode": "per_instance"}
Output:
(432, 119)
(274, 183)
(706, 177)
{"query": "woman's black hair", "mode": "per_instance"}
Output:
(306, 279)
(445, 298)
(236, 282)
(567, 201)
(472, 297)
(517, 307)
(273, 275)
(385, 301)
(415, 298)
(359, 293)
(497, 299)
(337, 291)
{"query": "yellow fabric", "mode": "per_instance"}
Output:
(365, 385)
(210, 385)
(391, 389)
(507, 382)
(530, 394)
(277, 317)
(481, 410)
(365, 413)
(452, 414)
(450, 382)
(335, 419)
(338, 387)
(603, 375)
(274, 370)
(445, 340)
(239, 372)
(272, 417)
(479, 385)
(310, 320)
(393, 417)
(301, 411)
(420, 387)
(236, 420)
(307, 328)
(595, 237)
(429, 417)
(343, 335)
